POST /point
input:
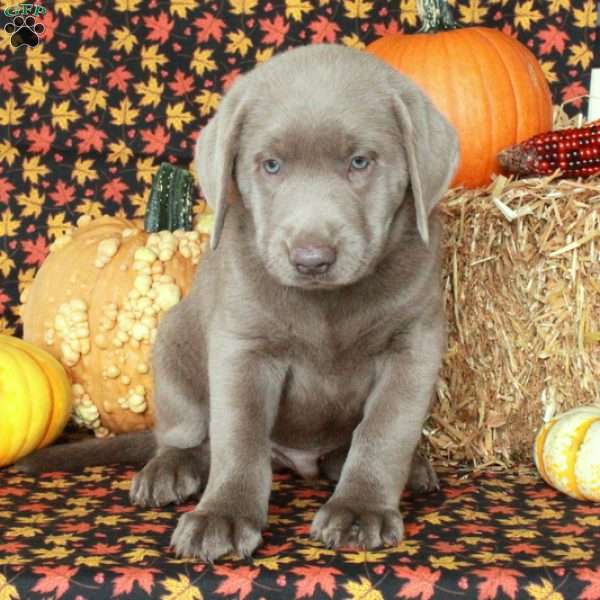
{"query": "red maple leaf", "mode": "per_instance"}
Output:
(63, 194)
(143, 576)
(227, 80)
(99, 492)
(101, 548)
(55, 579)
(448, 547)
(74, 527)
(3, 301)
(12, 547)
(314, 575)
(90, 138)
(67, 82)
(553, 38)
(118, 78)
(5, 187)
(155, 140)
(51, 23)
(93, 24)
(381, 29)
(421, 582)
(160, 27)
(274, 549)
(323, 30)
(275, 30)
(475, 529)
(36, 251)
(592, 577)
(574, 92)
(496, 578)
(523, 548)
(41, 139)
(182, 84)
(113, 190)
(209, 26)
(148, 528)
(238, 580)
(6, 77)
(10, 490)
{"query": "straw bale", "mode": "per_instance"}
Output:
(522, 293)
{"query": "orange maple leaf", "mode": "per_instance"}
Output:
(421, 582)
(209, 26)
(313, 576)
(496, 578)
(143, 576)
(160, 27)
(55, 579)
(592, 576)
(238, 580)
(275, 30)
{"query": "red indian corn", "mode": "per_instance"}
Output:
(575, 152)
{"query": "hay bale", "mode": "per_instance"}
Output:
(522, 289)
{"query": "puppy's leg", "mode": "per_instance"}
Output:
(244, 394)
(363, 510)
(422, 477)
(179, 468)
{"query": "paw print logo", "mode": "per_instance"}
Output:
(24, 31)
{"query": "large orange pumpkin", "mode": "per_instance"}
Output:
(489, 86)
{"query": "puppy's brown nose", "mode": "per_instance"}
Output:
(312, 260)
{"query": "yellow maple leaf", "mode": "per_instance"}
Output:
(150, 92)
(125, 114)
(10, 114)
(82, 171)
(140, 201)
(545, 591)
(263, 55)
(472, 13)
(357, 9)
(63, 539)
(35, 91)
(548, 70)
(145, 171)
(87, 59)
(575, 553)
(272, 563)
(180, 589)
(490, 558)
(448, 562)
(32, 169)
(56, 225)
(208, 101)
(353, 41)
(540, 561)
(91, 208)
(363, 556)
(408, 12)
(314, 552)
(294, 9)
(124, 40)
(6, 329)
(580, 55)
(435, 518)
(36, 58)
(177, 116)
(202, 61)
(362, 590)
(243, 7)
(94, 99)
(62, 114)
(26, 279)
(119, 152)
(136, 539)
(524, 16)
(151, 58)
(587, 17)
(127, 5)
(7, 590)
(25, 532)
(238, 42)
(8, 152)
(11, 559)
(54, 552)
(179, 8)
(555, 6)
(7, 264)
(32, 203)
(139, 554)
(65, 6)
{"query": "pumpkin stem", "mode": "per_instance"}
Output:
(171, 200)
(436, 15)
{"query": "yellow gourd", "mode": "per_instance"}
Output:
(567, 453)
(35, 399)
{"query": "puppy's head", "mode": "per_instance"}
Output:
(328, 149)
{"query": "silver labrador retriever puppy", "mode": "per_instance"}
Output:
(313, 335)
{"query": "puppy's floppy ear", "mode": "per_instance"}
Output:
(431, 146)
(214, 158)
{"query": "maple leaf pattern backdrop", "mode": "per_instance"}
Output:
(117, 87)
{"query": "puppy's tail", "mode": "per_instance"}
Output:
(128, 448)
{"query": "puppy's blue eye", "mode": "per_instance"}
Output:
(359, 163)
(271, 166)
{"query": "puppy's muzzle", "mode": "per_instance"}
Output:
(312, 259)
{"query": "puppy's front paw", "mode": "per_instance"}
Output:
(338, 524)
(208, 536)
